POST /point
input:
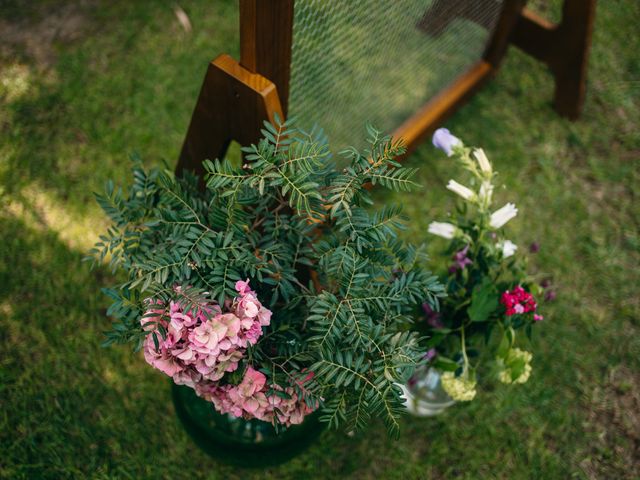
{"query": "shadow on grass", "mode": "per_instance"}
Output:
(97, 81)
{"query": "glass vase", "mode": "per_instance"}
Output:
(424, 394)
(237, 441)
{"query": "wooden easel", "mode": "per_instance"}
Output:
(563, 47)
(237, 97)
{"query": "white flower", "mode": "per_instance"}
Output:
(461, 190)
(508, 248)
(483, 161)
(486, 191)
(442, 229)
(460, 388)
(503, 215)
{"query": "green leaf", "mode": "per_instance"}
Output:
(504, 347)
(445, 364)
(484, 301)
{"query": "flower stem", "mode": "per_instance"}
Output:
(464, 350)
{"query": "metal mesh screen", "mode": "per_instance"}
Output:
(380, 60)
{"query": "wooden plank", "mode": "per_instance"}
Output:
(232, 105)
(266, 33)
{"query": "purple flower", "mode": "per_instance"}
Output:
(460, 260)
(430, 355)
(550, 296)
(433, 317)
(545, 283)
(534, 247)
(446, 142)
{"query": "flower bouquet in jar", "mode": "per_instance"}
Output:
(490, 310)
(277, 290)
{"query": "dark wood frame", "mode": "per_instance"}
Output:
(237, 97)
(563, 47)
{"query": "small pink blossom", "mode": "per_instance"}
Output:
(249, 399)
(187, 354)
(253, 334)
(160, 358)
(205, 338)
(242, 287)
(248, 306)
(264, 316)
(252, 382)
(231, 322)
(203, 343)
(187, 377)
(430, 355)
(518, 301)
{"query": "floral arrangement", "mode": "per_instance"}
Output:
(276, 290)
(489, 295)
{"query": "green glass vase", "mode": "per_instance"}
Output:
(247, 443)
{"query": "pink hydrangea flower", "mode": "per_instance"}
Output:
(161, 358)
(264, 316)
(202, 345)
(248, 306)
(249, 399)
(252, 382)
(242, 287)
(205, 343)
(187, 377)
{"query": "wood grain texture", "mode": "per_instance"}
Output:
(232, 105)
(266, 33)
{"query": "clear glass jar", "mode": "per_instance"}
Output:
(424, 394)
(237, 441)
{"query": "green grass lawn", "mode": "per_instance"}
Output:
(84, 84)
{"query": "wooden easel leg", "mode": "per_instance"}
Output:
(563, 47)
(571, 73)
(233, 105)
